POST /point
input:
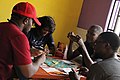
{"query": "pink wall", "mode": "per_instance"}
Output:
(94, 12)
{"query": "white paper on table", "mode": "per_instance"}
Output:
(57, 71)
(66, 70)
(49, 69)
(52, 70)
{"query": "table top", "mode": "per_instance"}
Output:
(41, 73)
(54, 63)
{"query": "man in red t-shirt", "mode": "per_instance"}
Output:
(14, 45)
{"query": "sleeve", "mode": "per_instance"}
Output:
(21, 50)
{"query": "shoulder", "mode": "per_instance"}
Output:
(12, 30)
(7, 26)
(106, 65)
(96, 72)
(96, 66)
(104, 69)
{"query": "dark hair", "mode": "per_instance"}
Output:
(112, 39)
(46, 21)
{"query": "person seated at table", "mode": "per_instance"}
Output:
(106, 47)
(40, 36)
(91, 36)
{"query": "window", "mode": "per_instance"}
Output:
(117, 26)
(113, 19)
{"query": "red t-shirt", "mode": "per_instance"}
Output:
(14, 49)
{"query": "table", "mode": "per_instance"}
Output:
(44, 75)
(41, 74)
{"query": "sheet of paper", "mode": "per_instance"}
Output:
(52, 70)
(66, 70)
(57, 70)
(49, 69)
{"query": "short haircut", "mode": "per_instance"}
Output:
(98, 28)
(47, 21)
(17, 16)
(112, 39)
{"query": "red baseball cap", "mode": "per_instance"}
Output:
(26, 9)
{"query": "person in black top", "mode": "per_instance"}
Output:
(91, 36)
(40, 36)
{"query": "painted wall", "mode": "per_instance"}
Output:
(94, 12)
(65, 13)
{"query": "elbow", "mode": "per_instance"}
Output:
(28, 70)
(28, 75)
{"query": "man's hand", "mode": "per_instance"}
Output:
(73, 37)
(41, 57)
(73, 75)
(36, 52)
(83, 71)
(47, 51)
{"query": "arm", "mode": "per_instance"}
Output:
(30, 69)
(22, 57)
(79, 41)
(69, 52)
(50, 44)
(72, 54)
(87, 59)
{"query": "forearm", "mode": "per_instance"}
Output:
(88, 61)
(69, 52)
(78, 39)
(30, 69)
